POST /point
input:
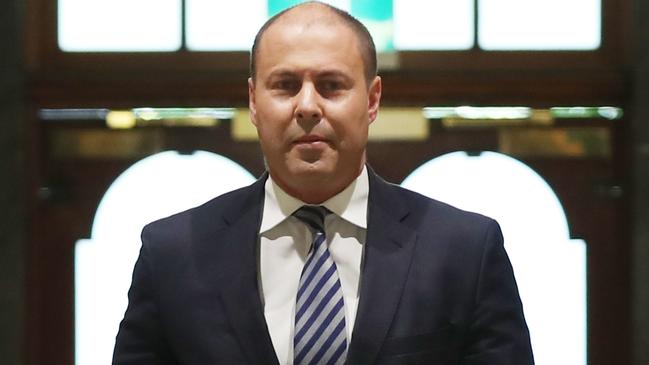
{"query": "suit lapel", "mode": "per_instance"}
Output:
(388, 254)
(240, 294)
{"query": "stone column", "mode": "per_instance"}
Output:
(12, 212)
(639, 140)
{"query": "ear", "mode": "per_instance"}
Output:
(374, 98)
(251, 101)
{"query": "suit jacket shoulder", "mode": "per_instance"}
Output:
(422, 214)
(207, 219)
(441, 277)
(194, 284)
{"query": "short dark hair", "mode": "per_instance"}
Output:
(365, 41)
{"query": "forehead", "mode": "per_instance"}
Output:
(309, 15)
(308, 38)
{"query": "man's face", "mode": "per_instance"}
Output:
(312, 105)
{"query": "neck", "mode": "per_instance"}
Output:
(316, 189)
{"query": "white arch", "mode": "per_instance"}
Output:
(152, 188)
(550, 268)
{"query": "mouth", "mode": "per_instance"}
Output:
(310, 140)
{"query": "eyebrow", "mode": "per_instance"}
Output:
(282, 73)
(292, 73)
(333, 73)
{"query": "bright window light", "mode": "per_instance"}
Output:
(539, 24)
(232, 25)
(518, 112)
(377, 16)
(154, 25)
(152, 188)
(119, 25)
(224, 25)
(550, 267)
(433, 25)
(275, 6)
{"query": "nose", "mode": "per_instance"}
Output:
(307, 108)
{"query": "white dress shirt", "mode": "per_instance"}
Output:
(283, 248)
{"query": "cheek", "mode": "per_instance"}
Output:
(350, 125)
(273, 120)
(269, 135)
(274, 135)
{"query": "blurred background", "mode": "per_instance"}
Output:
(535, 112)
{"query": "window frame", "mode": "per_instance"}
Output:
(603, 68)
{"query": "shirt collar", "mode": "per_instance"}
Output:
(350, 204)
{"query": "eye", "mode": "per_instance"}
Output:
(288, 85)
(330, 86)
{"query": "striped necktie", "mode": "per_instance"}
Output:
(320, 335)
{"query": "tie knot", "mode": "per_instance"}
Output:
(313, 216)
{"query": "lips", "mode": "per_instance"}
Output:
(310, 139)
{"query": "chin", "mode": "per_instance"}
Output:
(317, 167)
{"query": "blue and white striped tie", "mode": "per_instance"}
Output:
(320, 335)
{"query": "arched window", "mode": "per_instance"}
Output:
(550, 267)
(152, 188)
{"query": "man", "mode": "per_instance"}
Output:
(369, 273)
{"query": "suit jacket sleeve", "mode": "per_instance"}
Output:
(140, 339)
(497, 333)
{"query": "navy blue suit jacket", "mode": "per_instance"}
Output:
(436, 287)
